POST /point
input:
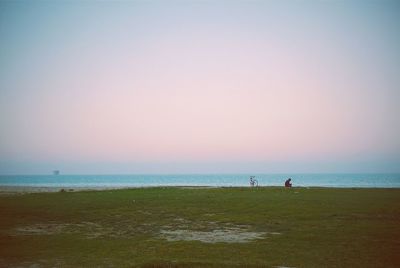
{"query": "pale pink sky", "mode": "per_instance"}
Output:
(299, 84)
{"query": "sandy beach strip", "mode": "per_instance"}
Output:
(40, 189)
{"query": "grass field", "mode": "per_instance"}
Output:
(203, 227)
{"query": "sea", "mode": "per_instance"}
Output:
(213, 180)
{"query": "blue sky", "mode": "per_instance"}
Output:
(199, 86)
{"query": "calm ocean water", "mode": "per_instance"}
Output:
(323, 180)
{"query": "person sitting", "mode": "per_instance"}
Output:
(288, 183)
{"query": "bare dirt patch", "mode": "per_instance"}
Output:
(42, 229)
(55, 228)
(86, 229)
(215, 236)
(179, 229)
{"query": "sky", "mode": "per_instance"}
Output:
(199, 86)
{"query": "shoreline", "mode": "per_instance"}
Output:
(21, 189)
(53, 189)
(45, 189)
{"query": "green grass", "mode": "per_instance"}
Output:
(121, 228)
